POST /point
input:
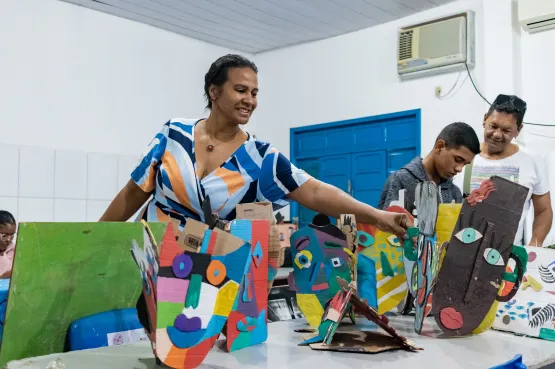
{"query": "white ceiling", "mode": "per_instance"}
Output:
(255, 26)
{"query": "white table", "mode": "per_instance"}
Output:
(281, 352)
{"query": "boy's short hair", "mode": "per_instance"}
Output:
(460, 134)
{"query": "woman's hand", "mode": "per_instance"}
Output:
(396, 223)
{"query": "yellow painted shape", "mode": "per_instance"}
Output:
(447, 217)
(490, 317)
(226, 298)
(390, 290)
(311, 308)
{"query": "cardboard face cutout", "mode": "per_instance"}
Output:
(329, 339)
(191, 295)
(320, 254)
(385, 254)
(473, 269)
(247, 325)
(426, 266)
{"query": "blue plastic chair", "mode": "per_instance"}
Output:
(104, 329)
(515, 363)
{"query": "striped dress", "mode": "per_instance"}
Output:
(255, 172)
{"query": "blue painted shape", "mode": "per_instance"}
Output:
(185, 339)
(205, 242)
(257, 254)
(237, 263)
(272, 273)
(242, 228)
(514, 363)
(366, 283)
(215, 326)
(92, 331)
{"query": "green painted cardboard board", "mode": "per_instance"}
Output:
(66, 271)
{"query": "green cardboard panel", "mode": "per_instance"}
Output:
(66, 271)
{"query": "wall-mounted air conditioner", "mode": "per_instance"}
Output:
(536, 15)
(438, 46)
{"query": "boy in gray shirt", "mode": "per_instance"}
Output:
(456, 146)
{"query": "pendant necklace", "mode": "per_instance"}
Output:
(210, 147)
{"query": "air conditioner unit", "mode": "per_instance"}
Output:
(438, 46)
(536, 15)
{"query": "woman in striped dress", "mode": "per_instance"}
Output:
(190, 159)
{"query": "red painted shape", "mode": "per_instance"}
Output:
(212, 242)
(451, 318)
(169, 248)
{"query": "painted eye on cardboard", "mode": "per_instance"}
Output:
(393, 241)
(493, 257)
(182, 265)
(216, 272)
(303, 259)
(336, 262)
(364, 239)
(468, 235)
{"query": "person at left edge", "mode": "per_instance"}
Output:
(192, 158)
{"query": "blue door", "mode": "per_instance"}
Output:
(356, 155)
(369, 175)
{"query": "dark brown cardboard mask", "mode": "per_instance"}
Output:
(477, 256)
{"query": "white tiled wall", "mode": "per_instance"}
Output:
(44, 185)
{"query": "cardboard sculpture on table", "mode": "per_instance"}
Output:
(532, 310)
(474, 266)
(328, 339)
(422, 263)
(247, 323)
(381, 254)
(189, 295)
(319, 254)
(263, 211)
(63, 272)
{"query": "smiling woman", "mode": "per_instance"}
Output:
(191, 159)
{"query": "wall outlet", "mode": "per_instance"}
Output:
(438, 91)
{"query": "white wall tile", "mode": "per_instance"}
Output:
(9, 154)
(9, 204)
(36, 210)
(71, 175)
(126, 164)
(102, 176)
(36, 172)
(70, 210)
(95, 209)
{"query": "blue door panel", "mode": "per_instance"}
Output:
(370, 137)
(396, 159)
(369, 174)
(401, 133)
(310, 143)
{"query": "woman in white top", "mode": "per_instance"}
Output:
(500, 157)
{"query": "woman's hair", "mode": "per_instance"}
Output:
(6, 217)
(217, 74)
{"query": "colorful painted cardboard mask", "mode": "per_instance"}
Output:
(382, 254)
(474, 266)
(532, 310)
(424, 264)
(319, 254)
(189, 296)
(247, 323)
(328, 339)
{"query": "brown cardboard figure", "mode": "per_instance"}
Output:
(477, 256)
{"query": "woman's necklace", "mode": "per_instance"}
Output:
(210, 147)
